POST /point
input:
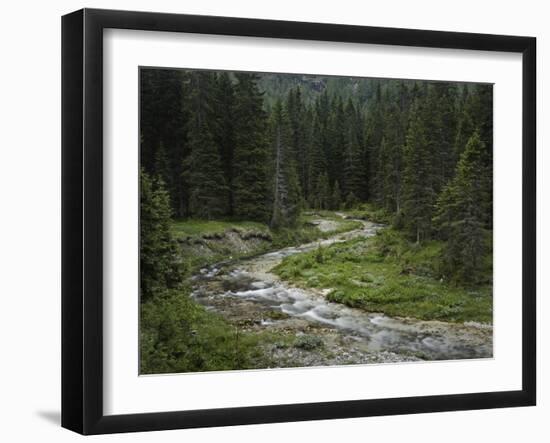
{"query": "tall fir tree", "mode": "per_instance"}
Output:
(353, 177)
(459, 216)
(286, 188)
(203, 167)
(317, 162)
(336, 199)
(250, 182)
(322, 196)
(163, 121)
(339, 137)
(418, 192)
(224, 130)
(374, 133)
(158, 255)
(391, 160)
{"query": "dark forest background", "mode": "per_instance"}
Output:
(264, 147)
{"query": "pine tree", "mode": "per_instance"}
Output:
(339, 140)
(317, 162)
(304, 167)
(336, 200)
(459, 215)
(163, 121)
(476, 115)
(250, 183)
(353, 177)
(224, 130)
(374, 133)
(297, 119)
(286, 188)
(447, 98)
(203, 167)
(162, 166)
(418, 193)
(391, 161)
(322, 195)
(159, 266)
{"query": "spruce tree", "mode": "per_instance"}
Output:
(159, 265)
(339, 140)
(163, 121)
(374, 133)
(353, 177)
(224, 130)
(297, 120)
(317, 162)
(286, 188)
(203, 170)
(322, 195)
(459, 215)
(336, 200)
(418, 193)
(391, 161)
(250, 183)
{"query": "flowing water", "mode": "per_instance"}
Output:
(248, 294)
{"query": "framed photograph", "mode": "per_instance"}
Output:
(269, 221)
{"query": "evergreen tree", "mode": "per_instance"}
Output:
(459, 215)
(353, 177)
(224, 130)
(203, 167)
(317, 162)
(322, 198)
(163, 121)
(286, 190)
(447, 122)
(162, 166)
(374, 133)
(418, 191)
(159, 266)
(339, 141)
(391, 161)
(297, 120)
(250, 183)
(336, 201)
(351, 200)
(476, 115)
(304, 167)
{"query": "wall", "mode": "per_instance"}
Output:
(30, 232)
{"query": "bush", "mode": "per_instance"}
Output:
(178, 335)
(308, 342)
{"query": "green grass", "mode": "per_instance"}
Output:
(306, 232)
(388, 274)
(368, 211)
(199, 228)
(199, 231)
(179, 335)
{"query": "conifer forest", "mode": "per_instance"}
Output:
(291, 220)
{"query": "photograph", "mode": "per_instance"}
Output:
(295, 220)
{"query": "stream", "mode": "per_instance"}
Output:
(250, 296)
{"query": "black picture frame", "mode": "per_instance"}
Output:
(82, 218)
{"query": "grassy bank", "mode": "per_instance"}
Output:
(388, 274)
(206, 242)
(370, 212)
(179, 335)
